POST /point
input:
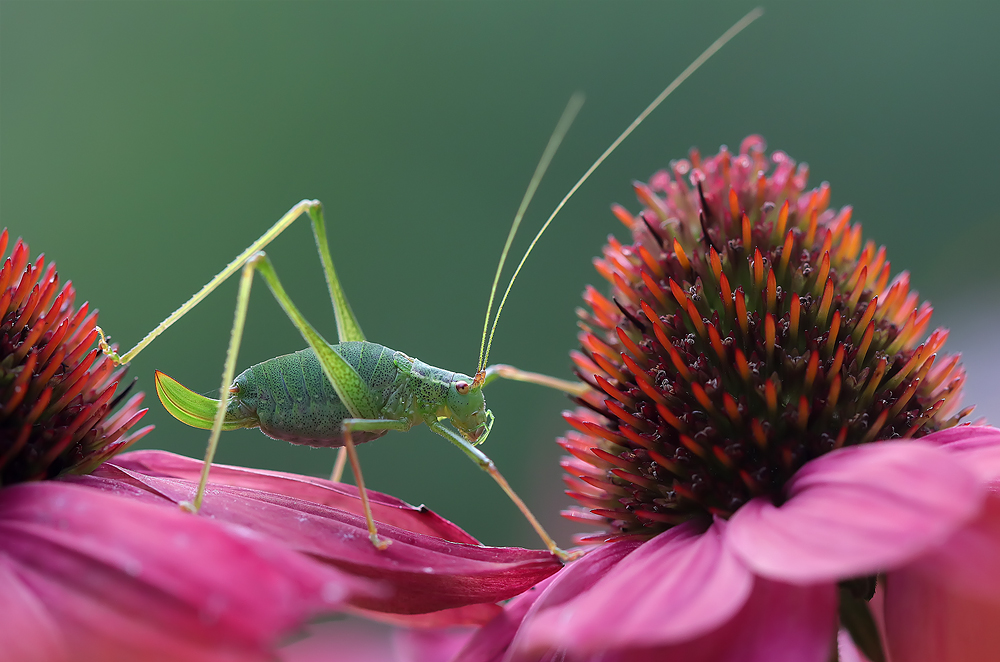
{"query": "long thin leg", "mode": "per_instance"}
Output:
(231, 268)
(510, 372)
(353, 392)
(486, 464)
(338, 465)
(371, 425)
(347, 325)
(228, 372)
(350, 388)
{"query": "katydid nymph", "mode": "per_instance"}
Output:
(352, 391)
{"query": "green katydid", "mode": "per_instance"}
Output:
(355, 391)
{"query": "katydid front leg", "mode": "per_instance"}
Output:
(487, 465)
(503, 371)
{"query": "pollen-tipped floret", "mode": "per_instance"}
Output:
(748, 331)
(57, 392)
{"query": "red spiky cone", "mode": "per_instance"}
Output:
(57, 392)
(749, 330)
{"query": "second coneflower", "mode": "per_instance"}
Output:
(770, 435)
(749, 330)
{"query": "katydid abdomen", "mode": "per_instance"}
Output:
(292, 400)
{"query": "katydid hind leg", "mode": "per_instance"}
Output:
(237, 263)
(347, 324)
(487, 465)
(350, 388)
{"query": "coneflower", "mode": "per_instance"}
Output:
(764, 445)
(57, 392)
(749, 330)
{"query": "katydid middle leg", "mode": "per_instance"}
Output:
(372, 425)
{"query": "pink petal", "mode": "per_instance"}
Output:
(341, 641)
(477, 614)
(492, 640)
(978, 447)
(927, 620)
(435, 645)
(421, 573)
(125, 580)
(686, 572)
(777, 623)
(963, 433)
(29, 632)
(847, 650)
(963, 579)
(857, 511)
(385, 508)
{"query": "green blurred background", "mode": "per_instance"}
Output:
(143, 145)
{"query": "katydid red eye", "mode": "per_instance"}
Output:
(462, 388)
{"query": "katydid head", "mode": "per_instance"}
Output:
(467, 409)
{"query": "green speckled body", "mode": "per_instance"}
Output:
(294, 401)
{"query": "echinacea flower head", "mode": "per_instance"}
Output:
(749, 330)
(57, 392)
(770, 445)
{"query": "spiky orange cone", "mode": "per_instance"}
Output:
(748, 331)
(57, 392)
(767, 438)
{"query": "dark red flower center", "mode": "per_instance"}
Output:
(749, 330)
(57, 393)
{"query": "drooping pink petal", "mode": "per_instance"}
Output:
(385, 508)
(126, 580)
(477, 614)
(857, 511)
(490, 642)
(969, 562)
(963, 433)
(422, 573)
(686, 572)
